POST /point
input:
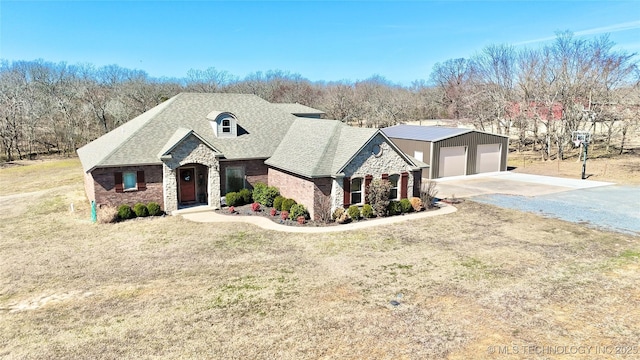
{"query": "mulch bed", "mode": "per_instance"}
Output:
(245, 210)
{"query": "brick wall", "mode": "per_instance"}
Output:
(307, 192)
(255, 171)
(105, 192)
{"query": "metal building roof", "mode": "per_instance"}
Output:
(426, 133)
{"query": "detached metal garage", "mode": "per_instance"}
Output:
(451, 151)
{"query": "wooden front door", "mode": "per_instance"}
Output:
(187, 183)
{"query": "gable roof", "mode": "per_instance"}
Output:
(178, 137)
(426, 133)
(320, 148)
(298, 109)
(140, 140)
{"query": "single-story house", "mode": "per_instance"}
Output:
(451, 151)
(195, 148)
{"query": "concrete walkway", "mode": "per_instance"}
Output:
(206, 214)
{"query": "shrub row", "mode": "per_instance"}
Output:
(283, 204)
(241, 197)
(125, 212)
(393, 208)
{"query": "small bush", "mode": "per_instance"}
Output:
(405, 206)
(301, 220)
(416, 203)
(354, 212)
(428, 194)
(298, 210)
(273, 212)
(107, 214)
(378, 197)
(140, 210)
(125, 212)
(154, 209)
(232, 210)
(255, 207)
(337, 213)
(277, 202)
(287, 204)
(367, 211)
(245, 195)
(394, 208)
(233, 199)
(265, 194)
(284, 215)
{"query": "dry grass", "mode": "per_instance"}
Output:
(623, 169)
(164, 287)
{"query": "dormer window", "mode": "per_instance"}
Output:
(224, 124)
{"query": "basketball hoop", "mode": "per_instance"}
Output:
(582, 137)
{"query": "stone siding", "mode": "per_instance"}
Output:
(366, 163)
(105, 191)
(190, 151)
(255, 171)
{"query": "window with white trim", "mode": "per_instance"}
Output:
(130, 180)
(356, 191)
(226, 126)
(394, 180)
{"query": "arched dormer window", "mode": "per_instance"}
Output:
(224, 124)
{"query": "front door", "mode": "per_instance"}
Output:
(187, 185)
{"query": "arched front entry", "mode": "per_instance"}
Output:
(192, 181)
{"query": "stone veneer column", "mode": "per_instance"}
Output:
(190, 151)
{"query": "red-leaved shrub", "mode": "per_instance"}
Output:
(255, 206)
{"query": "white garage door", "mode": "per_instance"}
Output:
(453, 161)
(488, 158)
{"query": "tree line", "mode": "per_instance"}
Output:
(537, 96)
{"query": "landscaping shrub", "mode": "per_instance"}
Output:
(354, 212)
(277, 202)
(378, 197)
(428, 193)
(125, 212)
(232, 210)
(233, 199)
(337, 213)
(154, 209)
(416, 203)
(265, 194)
(245, 195)
(405, 206)
(141, 210)
(284, 215)
(367, 211)
(287, 204)
(298, 210)
(255, 207)
(273, 212)
(394, 208)
(107, 214)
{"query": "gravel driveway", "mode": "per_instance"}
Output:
(598, 204)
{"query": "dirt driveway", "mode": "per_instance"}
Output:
(510, 183)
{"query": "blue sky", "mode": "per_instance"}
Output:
(321, 40)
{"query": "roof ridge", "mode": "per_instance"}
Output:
(331, 145)
(165, 104)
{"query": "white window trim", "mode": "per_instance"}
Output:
(360, 191)
(396, 187)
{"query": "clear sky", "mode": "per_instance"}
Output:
(321, 40)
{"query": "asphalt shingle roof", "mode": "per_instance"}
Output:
(317, 148)
(298, 109)
(140, 140)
